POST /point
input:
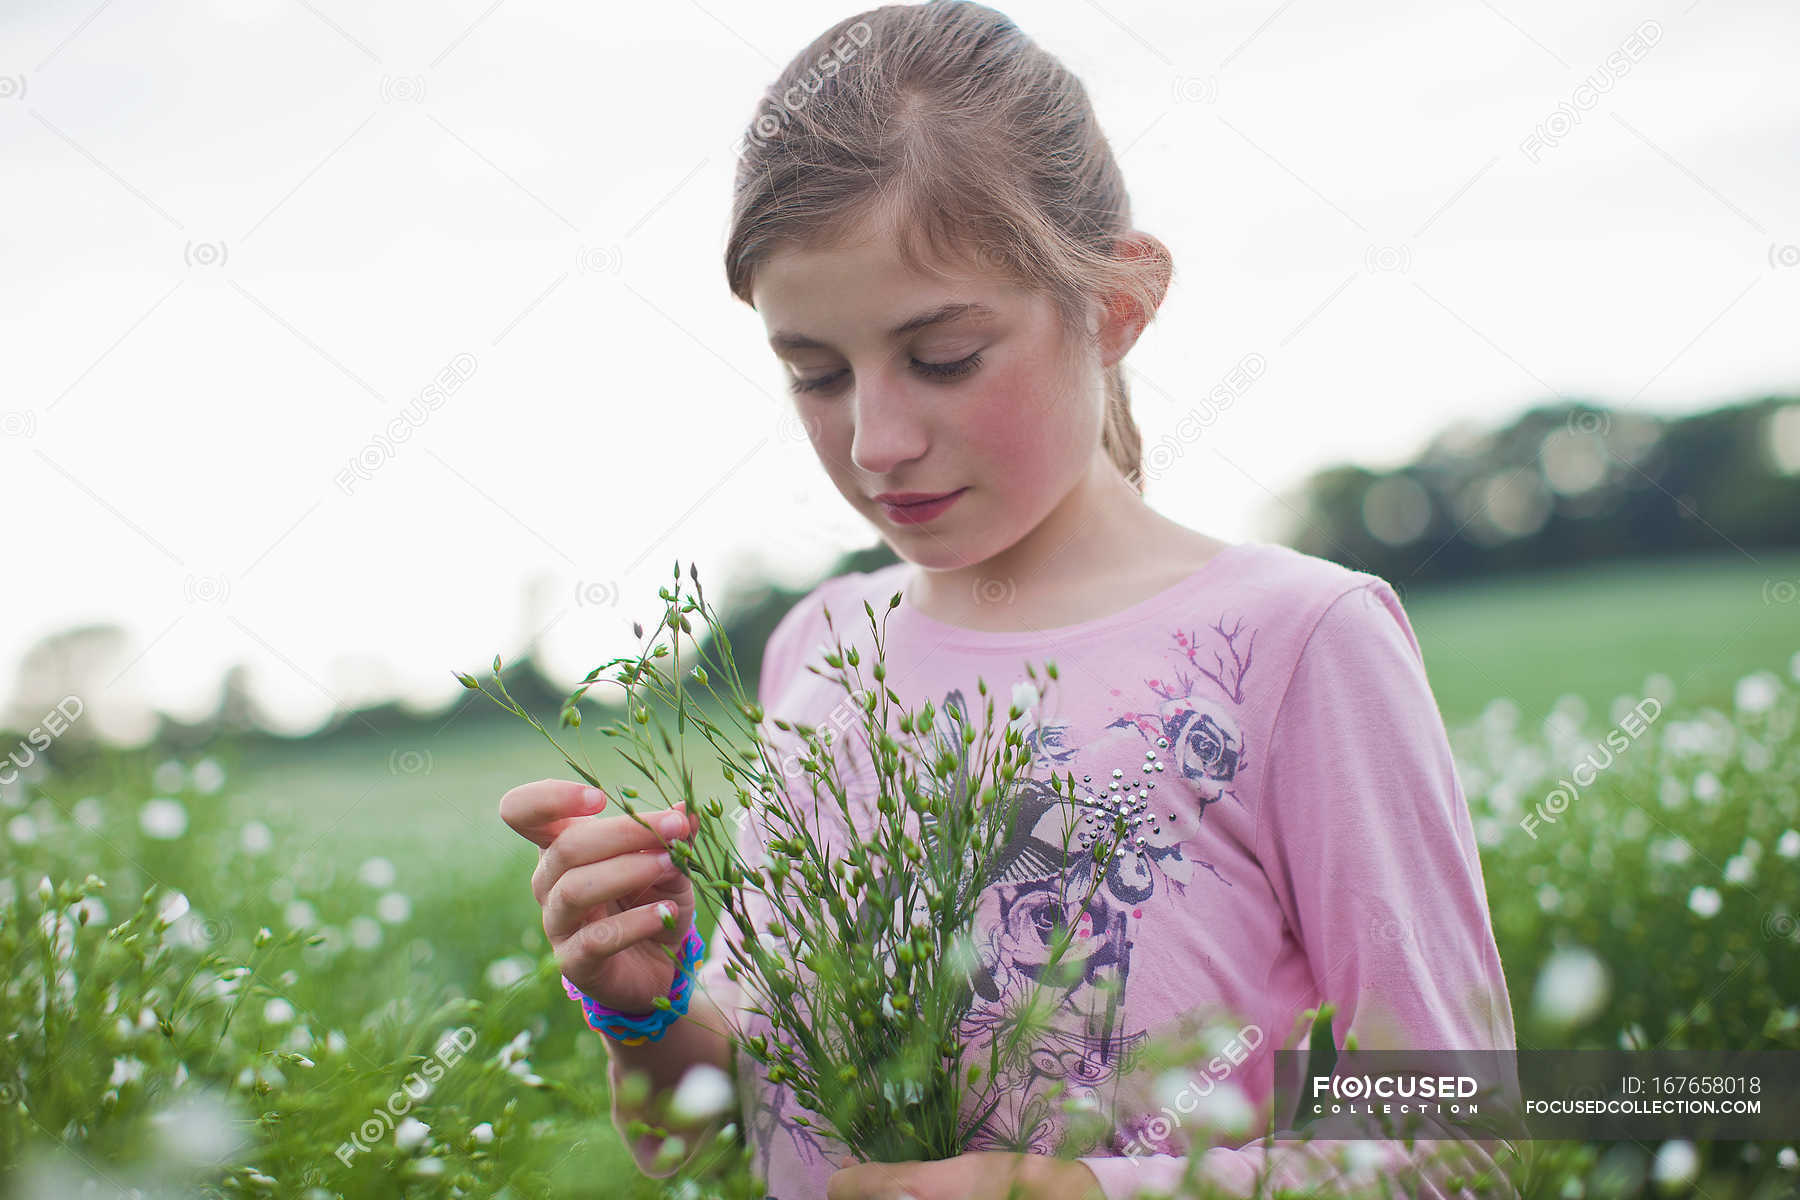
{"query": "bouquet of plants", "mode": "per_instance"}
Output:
(863, 963)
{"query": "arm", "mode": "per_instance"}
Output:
(693, 1040)
(1365, 837)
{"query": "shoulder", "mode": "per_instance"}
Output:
(1315, 596)
(1299, 580)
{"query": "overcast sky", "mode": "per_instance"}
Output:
(238, 238)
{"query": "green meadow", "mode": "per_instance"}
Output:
(271, 938)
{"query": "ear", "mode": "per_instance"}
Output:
(1120, 318)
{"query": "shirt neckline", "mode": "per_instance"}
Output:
(964, 638)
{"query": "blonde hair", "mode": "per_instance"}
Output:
(970, 142)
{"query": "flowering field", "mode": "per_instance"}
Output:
(220, 983)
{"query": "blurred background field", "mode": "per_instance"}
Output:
(1658, 911)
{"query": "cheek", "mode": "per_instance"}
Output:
(1024, 419)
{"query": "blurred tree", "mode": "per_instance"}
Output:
(1564, 483)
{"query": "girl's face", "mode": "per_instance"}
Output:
(931, 385)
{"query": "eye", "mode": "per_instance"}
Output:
(931, 370)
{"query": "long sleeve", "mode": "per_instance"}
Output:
(1365, 838)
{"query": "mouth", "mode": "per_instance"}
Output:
(908, 499)
(912, 508)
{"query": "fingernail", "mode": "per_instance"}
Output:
(591, 798)
(664, 861)
(673, 824)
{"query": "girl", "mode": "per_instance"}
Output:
(937, 237)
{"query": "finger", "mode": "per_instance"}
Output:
(597, 941)
(590, 841)
(580, 890)
(541, 810)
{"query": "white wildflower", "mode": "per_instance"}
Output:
(1572, 986)
(208, 776)
(1756, 693)
(173, 909)
(394, 907)
(704, 1091)
(502, 973)
(169, 776)
(255, 838)
(163, 818)
(1677, 1166)
(410, 1133)
(377, 872)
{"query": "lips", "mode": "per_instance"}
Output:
(925, 507)
(902, 499)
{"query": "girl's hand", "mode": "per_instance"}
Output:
(599, 881)
(983, 1175)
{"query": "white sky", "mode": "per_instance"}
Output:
(544, 193)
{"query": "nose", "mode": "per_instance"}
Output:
(889, 430)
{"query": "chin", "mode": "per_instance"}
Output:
(933, 553)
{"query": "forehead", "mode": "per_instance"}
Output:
(861, 289)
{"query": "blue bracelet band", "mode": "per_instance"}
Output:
(634, 1029)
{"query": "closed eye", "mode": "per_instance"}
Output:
(931, 370)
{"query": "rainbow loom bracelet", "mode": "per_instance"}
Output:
(634, 1029)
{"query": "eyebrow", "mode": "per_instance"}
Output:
(786, 340)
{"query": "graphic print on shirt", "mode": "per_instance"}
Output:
(1184, 725)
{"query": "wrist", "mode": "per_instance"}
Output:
(1061, 1179)
(636, 1028)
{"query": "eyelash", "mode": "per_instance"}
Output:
(940, 371)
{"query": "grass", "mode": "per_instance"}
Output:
(399, 851)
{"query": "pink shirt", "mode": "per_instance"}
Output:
(1303, 837)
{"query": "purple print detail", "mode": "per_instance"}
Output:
(1229, 677)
